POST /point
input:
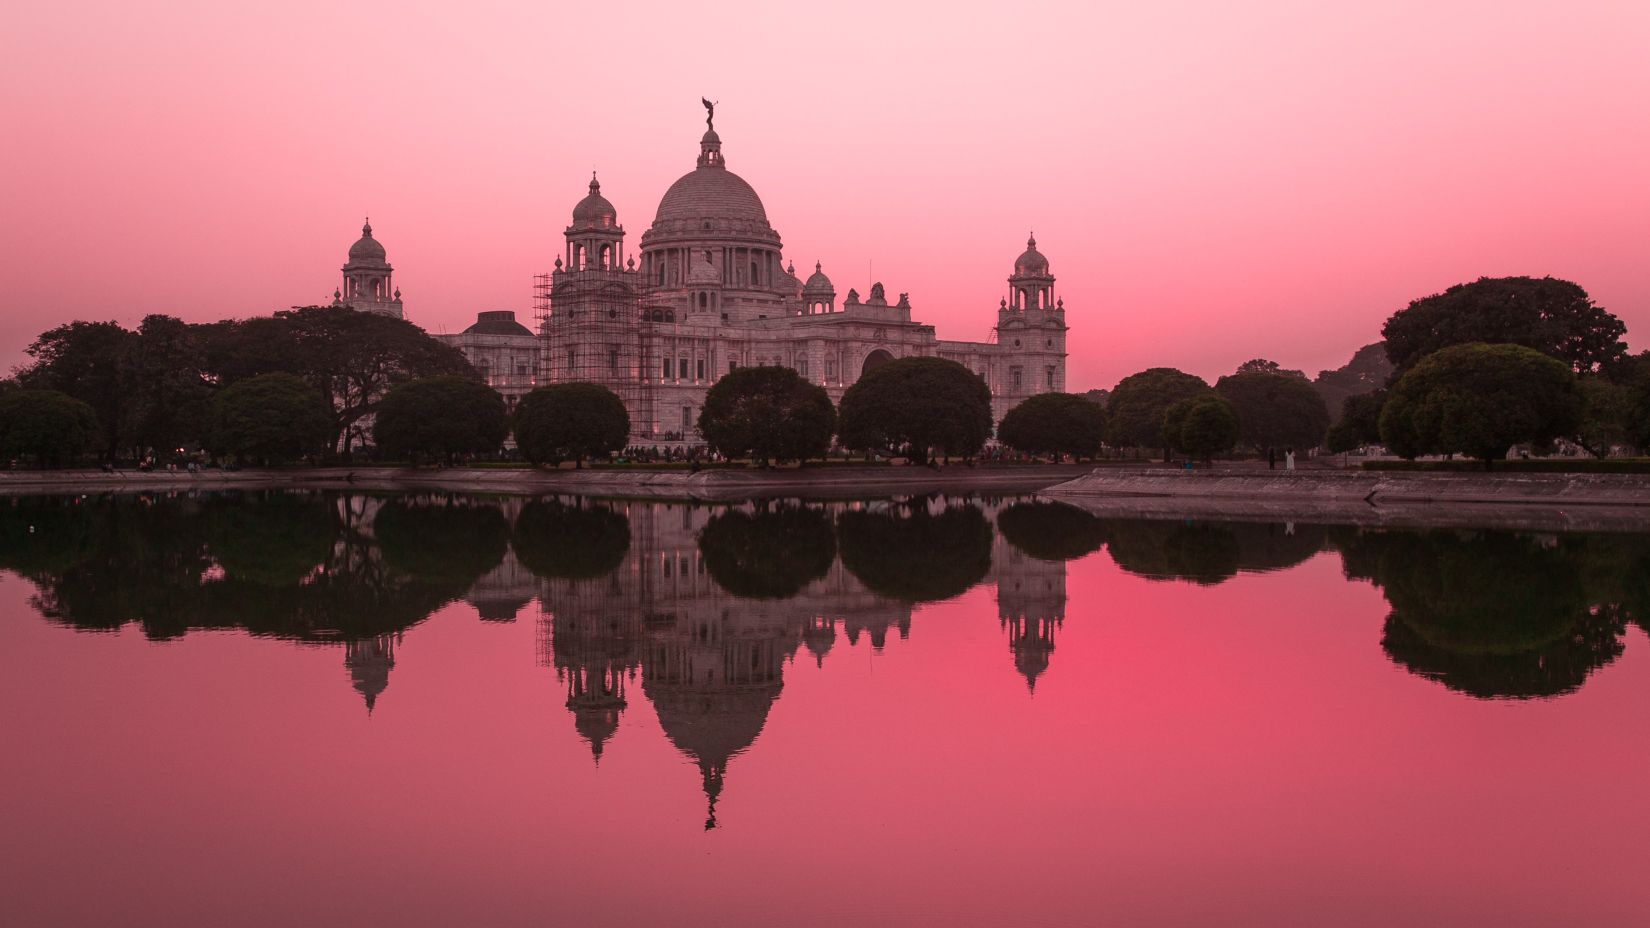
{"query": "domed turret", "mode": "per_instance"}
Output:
(594, 210)
(1031, 263)
(366, 249)
(818, 292)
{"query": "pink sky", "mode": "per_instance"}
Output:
(1211, 182)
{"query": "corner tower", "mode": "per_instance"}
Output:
(367, 286)
(1031, 332)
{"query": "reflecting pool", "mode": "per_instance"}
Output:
(319, 708)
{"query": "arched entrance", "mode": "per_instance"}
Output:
(875, 360)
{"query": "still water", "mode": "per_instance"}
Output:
(320, 709)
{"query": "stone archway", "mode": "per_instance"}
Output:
(875, 360)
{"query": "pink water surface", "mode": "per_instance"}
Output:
(1239, 754)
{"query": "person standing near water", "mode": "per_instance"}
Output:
(1289, 459)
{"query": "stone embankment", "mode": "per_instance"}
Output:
(829, 482)
(1557, 502)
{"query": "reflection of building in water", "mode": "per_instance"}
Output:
(1031, 603)
(712, 663)
(368, 661)
(504, 590)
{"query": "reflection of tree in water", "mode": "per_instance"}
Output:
(1489, 614)
(768, 553)
(43, 535)
(1202, 553)
(911, 554)
(302, 566)
(576, 541)
(1051, 531)
(1268, 546)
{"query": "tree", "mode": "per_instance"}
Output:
(1480, 400)
(570, 420)
(1360, 422)
(441, 417)
(1201, 426)
(1263, 366)
(916, 406)
(1552, 316)
(1275, 410)
(169, 392)
(1054, 423)
(51, 426)
(353, 358)
(1368, 371)
(1606, 415)
(767, 414)
(269, 418)
(87, 360)
(1134, 412)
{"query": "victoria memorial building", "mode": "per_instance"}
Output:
(709, 291)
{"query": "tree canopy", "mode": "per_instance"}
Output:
(767, 414)
(570, 541)
(1134, 411)
(1368, 371)
(1202, 426)
(270, 418)
(1360, 422)
(1054, 423)
(570, 420)
(1552, 316)
(1275, 410)
(441, 417)
(87, 360)
(914, 555)
(1051, 531)
(1479, 400)
(917, 406)
(52, 427)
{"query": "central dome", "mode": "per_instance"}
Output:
(711, 192)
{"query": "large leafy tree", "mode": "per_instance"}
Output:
(1360, 422)
(164, 367)
(767, 414)
(1552, 316)
(1202, 426)
(354, 358)
(441, 417)
(269, 418)
(1054, 423)
(1134, 411)
(52, 427)
(1368, 371)
(1606, 415)
(1480, 400)
(917, 406)
(570, 420)
(1275, 410)
(88, 361)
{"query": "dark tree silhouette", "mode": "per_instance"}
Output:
(269, 418)
(1135, 409)
(912, 555)
(1054, 423)
(1275, 410)
(771, 552)
(1051, 531)
(570, 420)
(570, 541)
(53, 428)
(917, 406)
(440, 417)
(1552, 316)
(767, 414)
(1480, 400)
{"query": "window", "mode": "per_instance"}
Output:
(702, 369)
(612, 360)
(830, 369)
(1050, 373)
(687, 419)
(521, 370)
(681, 368)
(733, 366)
(572, 359)
(802, 366)
(665, 374)
(1014, 376)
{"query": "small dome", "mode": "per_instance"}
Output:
(497, 322)
(704, 272)
(594, 210)
(1031, 263)
(366, 249)
(818, 282)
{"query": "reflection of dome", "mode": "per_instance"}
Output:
(1031, 263)
(366, 249)
(369, 661)
(594, 210)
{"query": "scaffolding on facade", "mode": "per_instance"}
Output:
(596, 325)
